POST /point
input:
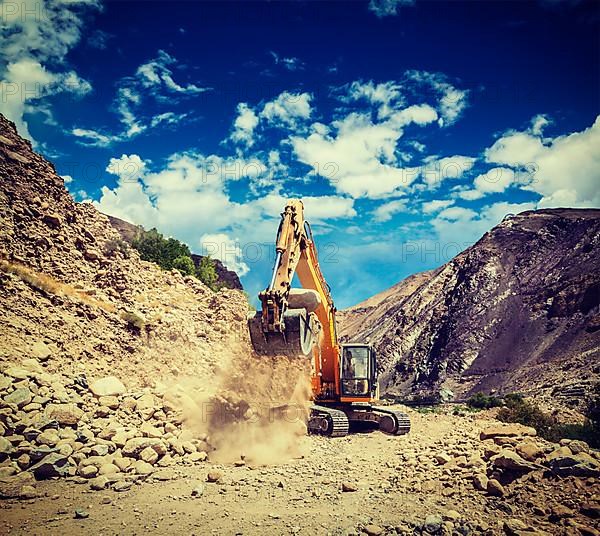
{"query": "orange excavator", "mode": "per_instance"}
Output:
(301, 322)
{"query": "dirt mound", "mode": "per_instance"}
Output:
(518, 311)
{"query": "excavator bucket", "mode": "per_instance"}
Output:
(301, 331)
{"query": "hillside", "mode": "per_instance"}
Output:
(517, 311)
(129, 232)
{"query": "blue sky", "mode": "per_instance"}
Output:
(408, 127)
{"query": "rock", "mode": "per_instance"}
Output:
(111, 402)
(122, 485)
(198, 491)
(108, 386)
(52, 465)
(28, 492)
(507, 430)
(149, 455)
(99, 450)
(80, 513)
(582, 465)
(349, 487)
(590, 509)
(19, 397)
(91, 254)
(197, 457)
(87, 471)
(560, 511)
(6, 448)
(529, 451)
(41, 351)
(480, 481)
(511, 461)
(432, 524)
(133, 447)
(19, 373)
(372, 530)
(515, 527)
(98, 483)
(142, 468)
(12, 487)
(48, 437)
(52, 219)
(64, 414)
(214, 476)
(576, 446)
(108, 469)
(559, 453)
(23, 461)
(451, 515)
(442, 458)
(150, 431)
(495, 488)
(122, 463)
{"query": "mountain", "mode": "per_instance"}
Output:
(129, 232)
(73, 293)
(517, 311)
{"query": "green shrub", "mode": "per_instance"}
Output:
(483, 401)
(522, 411)
(207, 273)
(133, 320)
(154, 247)
(185, 265)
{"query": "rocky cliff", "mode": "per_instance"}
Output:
(129, 231)
(73, 293)
(518, 311)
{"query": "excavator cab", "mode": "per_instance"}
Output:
(358, 372)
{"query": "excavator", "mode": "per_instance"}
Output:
(300, 322)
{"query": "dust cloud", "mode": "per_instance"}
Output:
(253, 409)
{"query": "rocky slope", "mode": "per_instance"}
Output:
(518, 311)
(129, 232)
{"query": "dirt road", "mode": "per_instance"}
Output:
(400, 483)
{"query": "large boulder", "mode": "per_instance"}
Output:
(64, 414)
(20, 397)
(507, 430)
(135, 446)
(53, 465)
(582, 465)
(108, 386)
(511, 461)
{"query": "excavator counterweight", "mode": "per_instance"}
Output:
(300, 322)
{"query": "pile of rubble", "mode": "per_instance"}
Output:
(53, 427)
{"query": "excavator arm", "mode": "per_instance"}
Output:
(301, 321)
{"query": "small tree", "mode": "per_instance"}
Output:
(185, 265)
(207, 273)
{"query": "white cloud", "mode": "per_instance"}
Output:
(227, 250)
(386, 211)
(386, 8)
(452, 101)
(457, 214)
(564, 169)
(157, 75)
(129, 168)
(386, 95)
(430, 207)
(36, 34)
(538, 123)
(436, 170)
(495, 180)
(287, 109)
(152, 79)
(244, 125)
(359, 159)
(291, 63)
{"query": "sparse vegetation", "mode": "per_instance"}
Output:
(170, 253)
(483, 401)
(134, 320)
(118, 245)
(517, 409)
(50, 286)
